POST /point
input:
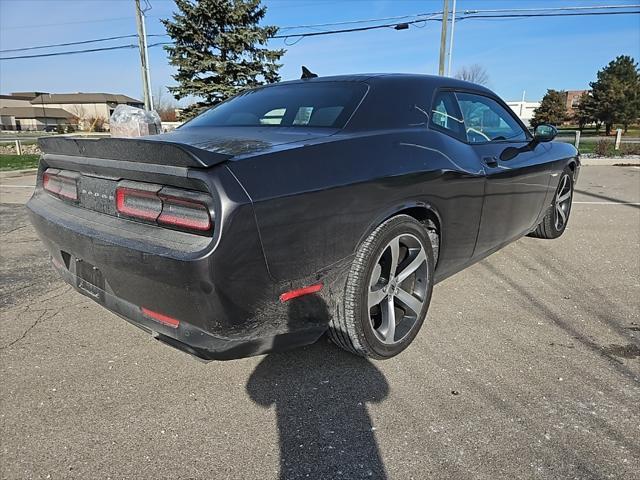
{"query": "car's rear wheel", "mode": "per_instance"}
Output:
(388, 290)
(555, 221)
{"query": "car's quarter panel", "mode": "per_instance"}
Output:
(316, 203)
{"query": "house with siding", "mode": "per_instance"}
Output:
(39, 110)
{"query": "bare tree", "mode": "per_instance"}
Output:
(475, 74)
(80, 115)
(165, 106)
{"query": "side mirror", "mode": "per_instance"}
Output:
(545, 133)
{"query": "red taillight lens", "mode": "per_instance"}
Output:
(161, 318)
(185, 214)
(177, 208)
(61, 184)
(138, 203)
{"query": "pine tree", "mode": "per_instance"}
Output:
(219, 50)
(552, 109)
(616, 93)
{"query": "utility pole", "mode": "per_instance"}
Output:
(443, 36)
(144, 59)
(453, 26)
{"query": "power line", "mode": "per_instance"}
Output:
(355, 29)
(466, 12)
(351, 22)
(102, 20)
(550, 9)
(332, 32)
(533, 15)
(467, 15)
(89, 50)
(78, 22)
(463, 17)
(81, 42)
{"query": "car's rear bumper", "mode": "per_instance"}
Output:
(226, 303)
(191, 339)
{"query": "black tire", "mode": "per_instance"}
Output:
(553, 224)
(354, 327)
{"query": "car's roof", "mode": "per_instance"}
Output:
(393, 80)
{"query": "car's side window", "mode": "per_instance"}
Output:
(485, 120)
(445, 115)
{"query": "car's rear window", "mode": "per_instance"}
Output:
(321, 104)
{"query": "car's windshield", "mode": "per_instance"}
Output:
(320, 104)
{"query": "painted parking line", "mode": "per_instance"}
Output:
(17, 186)
(607, 203)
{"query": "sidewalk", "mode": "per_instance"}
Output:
(17, 173)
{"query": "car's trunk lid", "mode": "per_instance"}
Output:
(196, 147)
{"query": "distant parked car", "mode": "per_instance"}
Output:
(318, 205)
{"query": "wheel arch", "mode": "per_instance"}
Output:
(423, 212)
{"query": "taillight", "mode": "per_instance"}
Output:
(183, 213)
(61, 184)
(181, 209)
(138, 203)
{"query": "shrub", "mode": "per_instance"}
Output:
(604, 148)
(60, 129)
(96, 124)
(630, 149)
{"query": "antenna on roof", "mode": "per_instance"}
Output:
(306, 73)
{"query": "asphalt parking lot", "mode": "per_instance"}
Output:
(528, 366)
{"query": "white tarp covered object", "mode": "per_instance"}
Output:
(128, 121)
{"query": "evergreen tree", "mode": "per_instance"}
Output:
(219, 50)
(552, 109)
(616, 93)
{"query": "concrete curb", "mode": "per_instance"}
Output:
(620, 161)
(17, 173)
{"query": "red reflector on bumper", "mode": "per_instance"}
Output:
(285, 297)
(159, 317)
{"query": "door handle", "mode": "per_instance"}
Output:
(490, 161)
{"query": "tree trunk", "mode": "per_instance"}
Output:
(607, 128)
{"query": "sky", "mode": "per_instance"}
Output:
(520, 55)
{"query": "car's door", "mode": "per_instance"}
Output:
(517, 171)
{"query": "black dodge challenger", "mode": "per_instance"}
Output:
(323, 205)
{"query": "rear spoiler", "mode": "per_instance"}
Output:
(133, 150)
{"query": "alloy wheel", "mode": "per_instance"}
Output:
(397, 288)
(562, 202)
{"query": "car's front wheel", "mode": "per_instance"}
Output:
(388, 290)
(555, 221)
